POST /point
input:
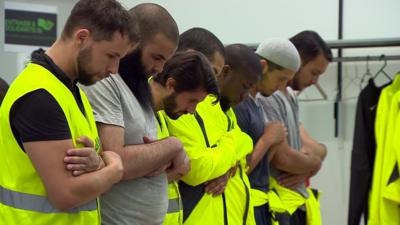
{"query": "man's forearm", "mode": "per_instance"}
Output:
(316, 148)
(90, 185)
(64, 190)
(140, 160)
(293, 161)
(308, 142)
(259, 151)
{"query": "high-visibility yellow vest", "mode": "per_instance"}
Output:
(213, 151)
(281, 199)
(174, 214)
(385, 192)
(238, 189)
(175, 211)
(23, 197)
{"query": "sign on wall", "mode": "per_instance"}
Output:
(29, 26)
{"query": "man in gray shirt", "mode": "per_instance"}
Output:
(283, 106)
(122, 106)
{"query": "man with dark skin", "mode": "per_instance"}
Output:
(280, 60)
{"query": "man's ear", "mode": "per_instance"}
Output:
(264, 65)
(170, 85)
(81, 36)
(225, 72)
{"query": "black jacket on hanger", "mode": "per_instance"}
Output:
(363, 153)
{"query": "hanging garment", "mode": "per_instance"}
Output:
(384, 200)
(363, 153)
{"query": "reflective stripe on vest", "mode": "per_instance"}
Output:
(173, 205)
(36, 203)
(246, 210)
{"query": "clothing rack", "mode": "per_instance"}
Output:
(356, 43)
(365, 43)
(366, 58)
(360, 43)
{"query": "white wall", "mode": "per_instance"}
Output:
(237, 21)
(252, 21)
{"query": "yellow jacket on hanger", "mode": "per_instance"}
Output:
(24, 198)
(385, 192)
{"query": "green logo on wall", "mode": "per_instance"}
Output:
(46, 25)
(30, 28)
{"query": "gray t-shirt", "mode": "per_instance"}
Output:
(141, 201)
(284, 108)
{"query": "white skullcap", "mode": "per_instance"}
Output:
(281, 52)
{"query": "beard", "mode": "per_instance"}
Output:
(85, 77)
(295, 83)
(132, 71)
(225, 103)
(170, 106)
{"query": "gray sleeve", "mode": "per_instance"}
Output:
(296, 106)
(272, 108)
(104, 97)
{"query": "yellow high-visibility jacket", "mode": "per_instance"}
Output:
(23, 197)
(175, 211)
(385, 192)
(237, 191)
(281, 199)
(214, 145)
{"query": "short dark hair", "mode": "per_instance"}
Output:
(241, 57)
(201, 40)
(3, 89)
(309, 45)
(153, 19)
(191, 71)
(102, 18)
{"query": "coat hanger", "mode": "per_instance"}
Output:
(367, 73)
(381, 70)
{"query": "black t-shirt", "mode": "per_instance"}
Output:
(37, 116)
(250, 119)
